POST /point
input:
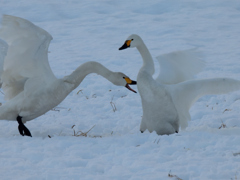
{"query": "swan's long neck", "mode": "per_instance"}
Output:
(148, 64)
(82, 71)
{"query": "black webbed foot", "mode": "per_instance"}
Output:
(23, 130)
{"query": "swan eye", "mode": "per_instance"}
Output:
(131, 39)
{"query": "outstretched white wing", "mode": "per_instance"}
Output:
(3, 53)
(186, 93)
(179, 66)
(27, 54)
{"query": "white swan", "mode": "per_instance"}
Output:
(167, 99)
(30, 87)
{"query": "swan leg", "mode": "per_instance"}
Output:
(23, 130)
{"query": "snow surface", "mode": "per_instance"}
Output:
(114, 148)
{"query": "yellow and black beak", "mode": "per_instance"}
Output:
(129, 81)
(126, 45)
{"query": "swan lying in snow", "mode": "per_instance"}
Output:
(167, 99)
(30, 87)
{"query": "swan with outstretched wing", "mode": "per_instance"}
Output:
(167, 99)
(30, 87)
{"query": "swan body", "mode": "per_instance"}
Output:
(167, 99)
(30, 87)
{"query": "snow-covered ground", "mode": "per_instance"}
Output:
(115, 149)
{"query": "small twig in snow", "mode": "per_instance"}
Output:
(80, 91)
(113, 105)
(226, 110)
(80, 133)
(222, 125)
(171, 175)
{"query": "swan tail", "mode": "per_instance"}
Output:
(179, 66)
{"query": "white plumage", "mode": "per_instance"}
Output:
(3, 53)
(29, 85)
(179, 66)
(167, 99)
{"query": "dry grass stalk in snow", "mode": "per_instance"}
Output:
(173, 176)
(80, 133)
(222, 125)
(58, 108)
(226, 110)
(113, 105)
(81, 91)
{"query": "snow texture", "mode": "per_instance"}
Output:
(84, 31)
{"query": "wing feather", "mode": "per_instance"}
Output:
(186, 93)
(3, 53)
(27, 55)
(179, 66)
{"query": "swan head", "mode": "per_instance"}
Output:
(120, 79)
(132, 41)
